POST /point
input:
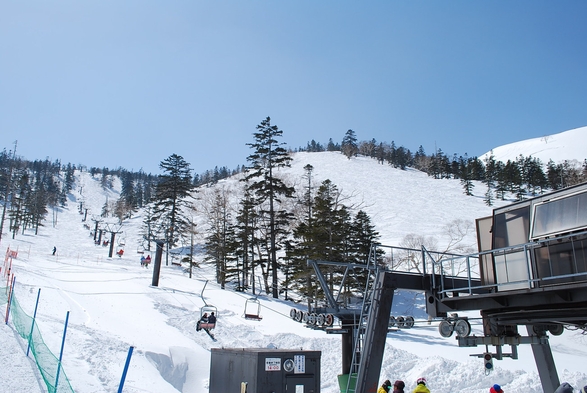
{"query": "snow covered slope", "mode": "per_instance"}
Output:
(568, 145)
(113, 305)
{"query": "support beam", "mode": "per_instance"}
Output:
(347, 347)
(331, 302)
(157, 267)
(545, 364)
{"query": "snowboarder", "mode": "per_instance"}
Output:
(421, 386)
(384, 388)
(54, 250)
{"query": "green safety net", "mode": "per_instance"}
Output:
(46, 361)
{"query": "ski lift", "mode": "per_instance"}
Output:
(121, 242)
(204, 323)
(140, 250)
(253, 309)
(208, 310)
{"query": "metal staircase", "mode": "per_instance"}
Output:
(361, 323)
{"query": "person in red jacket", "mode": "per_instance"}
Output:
(495, 389)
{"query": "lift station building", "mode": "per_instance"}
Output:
(263, 370)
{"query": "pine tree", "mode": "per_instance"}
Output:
(268, 156)
(39, 203)
(171, 198)
(554, 175)
(349, 145)
(363, 236)
(17, 212)
(380, 153)
(331, 146)
(421, 160)
(69, 177)
(490, 177)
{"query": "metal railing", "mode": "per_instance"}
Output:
(469, 266)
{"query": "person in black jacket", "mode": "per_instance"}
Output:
(212, 318)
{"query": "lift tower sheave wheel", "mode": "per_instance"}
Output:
(462, 328)
(445, 328)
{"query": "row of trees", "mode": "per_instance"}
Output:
(252, 236)
(521, 177)
(274, 229)
(29, 189)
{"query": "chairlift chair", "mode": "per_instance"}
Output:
(253, 309)
(207, 309)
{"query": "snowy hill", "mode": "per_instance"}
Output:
(568, 145)
(113, 305)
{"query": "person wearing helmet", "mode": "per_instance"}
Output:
(495, 389)
(421, 386)
(384, 388)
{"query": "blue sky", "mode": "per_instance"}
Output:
(127, 83)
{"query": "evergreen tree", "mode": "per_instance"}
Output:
(363, 236)
(17, 212)
(403, 158)
(380, 153)
(171, 204)
(421, 160)
(554, 175)
(268, 156)
(490, 177)
(39, 203)
(501, 187)
(349, 145)
(533, 174)
(392, 155)
(106, 181)
(464, 172)
(69, 178)
(476, 169)
(514, 180)
(331, 146)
